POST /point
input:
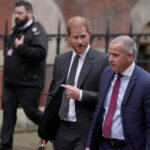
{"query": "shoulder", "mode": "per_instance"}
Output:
(99, 57)
(143, 80)
(107, 71)
(98, 53)
(142, 74)
(63, 56)
(37, 26)
(36, 29)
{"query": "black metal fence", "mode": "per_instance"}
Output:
(107, 36)
(141, 59)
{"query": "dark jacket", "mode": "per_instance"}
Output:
(135, 111)
(88, 80)
(25, 65)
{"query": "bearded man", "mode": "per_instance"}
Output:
(24, 71)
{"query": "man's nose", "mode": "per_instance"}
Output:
(79, 40)
(110, 58)
(16, 15)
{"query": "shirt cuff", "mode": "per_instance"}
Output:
(80, 98)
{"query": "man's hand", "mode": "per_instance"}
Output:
(71, 91)
(43, 142)
(19, 41)
(87, 148)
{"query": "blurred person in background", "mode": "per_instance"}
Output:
(24, 71)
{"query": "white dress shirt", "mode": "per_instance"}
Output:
(116, 129)
(71, 113)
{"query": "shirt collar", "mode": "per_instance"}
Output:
(128, 72)
(82, 55)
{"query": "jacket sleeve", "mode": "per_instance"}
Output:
(147, 116)
(90, 97)
(94, 127)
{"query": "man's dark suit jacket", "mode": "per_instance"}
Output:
(88, 81)
(135, 111)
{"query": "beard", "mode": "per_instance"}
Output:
(21, 23)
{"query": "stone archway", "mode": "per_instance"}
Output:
(48, 15)
(140, 15)
(141, 24)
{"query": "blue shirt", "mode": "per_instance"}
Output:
(116, 130)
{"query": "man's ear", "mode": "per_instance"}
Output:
(30, 14)
(131, 56)
(89, 33)
(68, 37)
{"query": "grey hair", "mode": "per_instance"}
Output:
(129, 43)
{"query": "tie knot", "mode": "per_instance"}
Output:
(119, 75)
(76, 57)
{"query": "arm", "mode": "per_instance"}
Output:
(89, 97)
(36, 49)
(50, 120)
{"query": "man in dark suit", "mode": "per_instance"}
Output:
(73, 93)
(122, 117)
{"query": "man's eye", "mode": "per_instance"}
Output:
(115, 55)
(83, 36)
(75, 37)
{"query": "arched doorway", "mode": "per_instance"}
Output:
(141, 24)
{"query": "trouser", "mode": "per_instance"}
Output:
(28, 98)
(68, 137)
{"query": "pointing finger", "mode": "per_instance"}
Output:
(64, 86)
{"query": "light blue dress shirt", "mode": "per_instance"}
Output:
(117, 130)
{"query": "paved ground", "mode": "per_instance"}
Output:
(27, 141)
(25, 137)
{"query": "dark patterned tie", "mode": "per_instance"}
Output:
(106, 129)
(65, 101)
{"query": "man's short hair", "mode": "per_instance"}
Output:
(78, 21)
(129, 43)
(27, 5)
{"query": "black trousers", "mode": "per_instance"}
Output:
(68, 137)
(28, 98)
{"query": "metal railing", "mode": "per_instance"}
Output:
(145, 63)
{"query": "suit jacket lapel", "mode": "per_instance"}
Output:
(66, 64)
(130, 87)
(104, 86)
(89, 61)
(107, 79)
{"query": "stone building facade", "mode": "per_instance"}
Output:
(119, 13)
